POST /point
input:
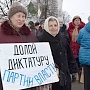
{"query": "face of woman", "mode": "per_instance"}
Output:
(77, 21)
(18, 19)
(53, 27)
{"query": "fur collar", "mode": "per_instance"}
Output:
(8, 30)
(72, 26)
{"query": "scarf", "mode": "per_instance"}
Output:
(74, 34)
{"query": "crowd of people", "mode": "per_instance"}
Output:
(70, 45)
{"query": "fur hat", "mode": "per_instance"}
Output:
(76, 17)
(15, 8)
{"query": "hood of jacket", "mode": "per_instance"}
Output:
(8, 30)
(87, 27)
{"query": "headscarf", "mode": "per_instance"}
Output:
(46, 25)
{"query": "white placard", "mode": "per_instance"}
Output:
(26, 65)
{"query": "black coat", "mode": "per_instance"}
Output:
(62, 56)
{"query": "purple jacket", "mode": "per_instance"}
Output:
(10, 35)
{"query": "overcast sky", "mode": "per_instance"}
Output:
(77, 7)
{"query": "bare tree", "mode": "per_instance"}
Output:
(53, 8)
(4, 5)
(48, 8)
(64, 16)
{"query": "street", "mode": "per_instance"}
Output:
(77, 86)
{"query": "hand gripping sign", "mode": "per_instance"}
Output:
(26, 65)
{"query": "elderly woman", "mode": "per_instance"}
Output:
(61, 52)
(14, 29)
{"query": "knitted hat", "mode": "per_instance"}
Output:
(76, 17)
(15, 8)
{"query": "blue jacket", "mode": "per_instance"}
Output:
(84, 41)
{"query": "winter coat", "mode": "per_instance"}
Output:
(9, 35)
(63, 28)
(62, 55)
(84, 41)
(74, 45)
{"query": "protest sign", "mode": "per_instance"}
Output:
(26, 65)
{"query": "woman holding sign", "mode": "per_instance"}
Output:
(61, 52)
(14, 29)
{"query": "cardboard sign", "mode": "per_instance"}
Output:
(26, 65)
